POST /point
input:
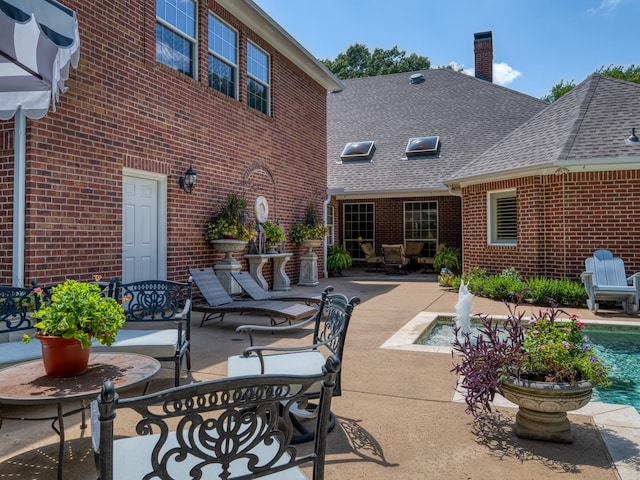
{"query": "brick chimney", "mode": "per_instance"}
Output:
(483, 50)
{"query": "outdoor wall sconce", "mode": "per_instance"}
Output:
(189, 180)
(633, 139)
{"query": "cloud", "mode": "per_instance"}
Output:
(503, 74)
(606, 6)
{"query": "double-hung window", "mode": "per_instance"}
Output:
(257, 79)
(502, 218)
(223, 57)
(176, 34)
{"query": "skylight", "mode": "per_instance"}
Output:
(357, 151)
(423, 146)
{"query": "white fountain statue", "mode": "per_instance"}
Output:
(463, 309)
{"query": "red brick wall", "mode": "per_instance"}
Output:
(123, 109)
(389, 219)
(6, 200)
(562, 219)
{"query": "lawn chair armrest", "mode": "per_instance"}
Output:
(249, 329)
(633, 279)
(184, 314)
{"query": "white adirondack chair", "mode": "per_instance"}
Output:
(605, 279)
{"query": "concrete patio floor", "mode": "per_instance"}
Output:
(397, 418)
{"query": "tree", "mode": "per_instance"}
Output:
(558, 90)
(358, 62)
(629, 74)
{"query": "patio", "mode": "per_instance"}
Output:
(396, 417)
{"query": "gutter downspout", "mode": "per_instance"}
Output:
(325, 203)
(19, 195)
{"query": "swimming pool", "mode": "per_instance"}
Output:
(617, 344)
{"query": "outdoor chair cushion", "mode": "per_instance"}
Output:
(154, 343)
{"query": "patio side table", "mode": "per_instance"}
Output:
(27, 384)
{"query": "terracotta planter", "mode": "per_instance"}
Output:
(543, 407)
(63, 357)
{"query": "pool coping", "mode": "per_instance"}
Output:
(618, 425)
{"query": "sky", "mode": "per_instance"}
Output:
(536, 43)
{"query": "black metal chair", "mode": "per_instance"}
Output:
(228, 428)
(329, 334)
(164, 305)
(15, 305)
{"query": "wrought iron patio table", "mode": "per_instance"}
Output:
(27, 384)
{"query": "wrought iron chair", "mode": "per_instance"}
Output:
(329, 333)
(228, 428)
(374, 262)
(15, 304)
(164, 305)
(395, 258)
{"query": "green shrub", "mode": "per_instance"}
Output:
(547, 291)
(510, 286)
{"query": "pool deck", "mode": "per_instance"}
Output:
(398, 417)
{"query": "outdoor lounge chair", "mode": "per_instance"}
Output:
(225, 428)
(217, 302)
(395, 258)
(329, 334)
(605, 279)
(256, 292)
(374, 262)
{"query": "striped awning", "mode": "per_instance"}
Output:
(39, 40)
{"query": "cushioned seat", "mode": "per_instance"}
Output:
(374, 262)
(154, 343)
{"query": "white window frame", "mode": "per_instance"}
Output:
(222, 58)
(266, 84)
(193, 40)
(492, 217)
(331, 237)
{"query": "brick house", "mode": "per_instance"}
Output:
(562, 185)
(394, 139)
(218, 86)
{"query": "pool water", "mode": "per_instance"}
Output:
(618, 346)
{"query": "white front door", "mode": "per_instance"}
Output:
(141, 237)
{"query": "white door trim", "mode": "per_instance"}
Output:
(162, 214)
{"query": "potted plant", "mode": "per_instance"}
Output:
(229, 230)
(310, 232)
(273, 235)
(545, 365)
(447, 259)
(75, 313)
(338, 259)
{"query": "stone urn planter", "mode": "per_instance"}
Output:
(228, 247)
(543, 407)
(63, 357)
(311, 244)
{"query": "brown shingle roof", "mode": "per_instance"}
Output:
(469, 115)
(590, 122)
